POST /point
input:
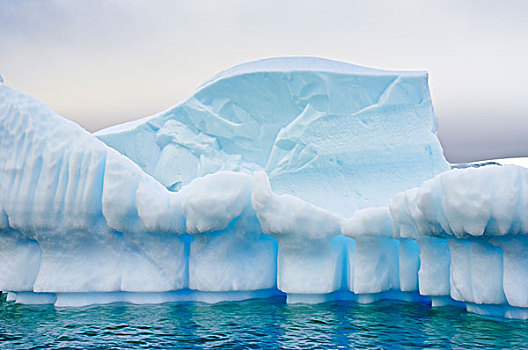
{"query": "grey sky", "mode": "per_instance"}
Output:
(104, 62)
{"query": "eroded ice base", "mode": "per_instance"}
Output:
(90, 298)
(440, 272)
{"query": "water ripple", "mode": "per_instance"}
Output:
(257, 324)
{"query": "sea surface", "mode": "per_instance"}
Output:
(254, 324)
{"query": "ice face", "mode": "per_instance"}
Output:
(310, 259)
(73, 217)
(278, 115)
(470, 225)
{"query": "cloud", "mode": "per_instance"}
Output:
(102, 62)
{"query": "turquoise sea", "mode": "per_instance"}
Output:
(254, 324)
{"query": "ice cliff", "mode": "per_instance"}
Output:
(303, 177)
(339, 136)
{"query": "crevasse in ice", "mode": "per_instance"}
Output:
(300, 176)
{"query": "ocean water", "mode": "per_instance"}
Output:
(254, 324)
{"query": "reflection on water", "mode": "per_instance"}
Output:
(254, 324)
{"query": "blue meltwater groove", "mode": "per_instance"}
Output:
(257, 324)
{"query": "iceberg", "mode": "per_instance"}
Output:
(305, 178)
